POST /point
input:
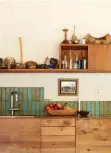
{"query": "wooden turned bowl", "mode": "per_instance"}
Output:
(83, 113)
(31, 65)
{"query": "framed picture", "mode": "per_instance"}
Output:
(68, 87)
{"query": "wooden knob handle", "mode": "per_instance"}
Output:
(53, 143)
(48, 121)
(100, 124)
(61, 129)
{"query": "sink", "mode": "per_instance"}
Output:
(17, 116)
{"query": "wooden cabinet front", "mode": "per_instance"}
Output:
(20, 135)
(57, 130)
(97, 57)
(93, 150)
(20, 130)
(19, 148)
(56, 122)
(58, 144)
(108, 57)
(58, 135)
(93, 132)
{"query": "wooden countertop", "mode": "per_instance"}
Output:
(77, 117)
(53, 117)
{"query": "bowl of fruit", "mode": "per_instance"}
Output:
(59, 109)
(83, 113)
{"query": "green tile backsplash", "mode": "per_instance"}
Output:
(31, 102)
(28, 100)
(96, 108)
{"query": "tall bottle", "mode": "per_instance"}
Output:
(70, 62)
(65, 62)
(77, 63)
(84, 63)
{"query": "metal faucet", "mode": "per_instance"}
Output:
(14, 99)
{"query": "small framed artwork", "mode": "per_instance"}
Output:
(68, 87)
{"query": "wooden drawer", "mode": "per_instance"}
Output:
(57, 141)
(58, 144)
(93, 150)
(61, 150)
(58, 122)
(58, 131)
(95, 132)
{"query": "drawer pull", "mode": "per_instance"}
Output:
(61, 129)
(100, 125)
(48, 121)
(53, 143)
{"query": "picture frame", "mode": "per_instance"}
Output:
(68, 87)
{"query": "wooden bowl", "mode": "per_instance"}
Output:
(32, 67)
(31, 64)
(83, 113)
(62, 112)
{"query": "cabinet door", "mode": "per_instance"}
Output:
(97, 57)
(93, 132)
(20, 135)
(19, 148)
(108, 51)
(20, 130)
(93, 150)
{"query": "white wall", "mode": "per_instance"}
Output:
(40, 24)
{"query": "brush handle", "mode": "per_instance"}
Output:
(21, 51)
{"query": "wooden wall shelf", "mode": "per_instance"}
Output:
(53, 71)
(98, 59)
(73, 46)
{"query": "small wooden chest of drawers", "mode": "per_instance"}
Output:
(58, 135)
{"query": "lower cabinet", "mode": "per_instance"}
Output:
(93, 132)
(55, 135)
(20, 135)
(93, 135)
(93, 150)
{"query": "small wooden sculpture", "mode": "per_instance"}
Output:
(65, 41)
(102, 40)
(74, 37)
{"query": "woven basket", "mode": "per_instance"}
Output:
(62, 112)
